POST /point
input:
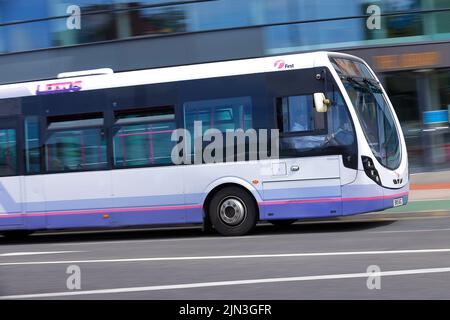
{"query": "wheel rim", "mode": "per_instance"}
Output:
(232, 211)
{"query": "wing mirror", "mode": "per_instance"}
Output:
(321, 103)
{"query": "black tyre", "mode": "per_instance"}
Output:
(233, 211)
(282, 223)
(16, 234)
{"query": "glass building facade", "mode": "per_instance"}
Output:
(121, 19)
(286, 26)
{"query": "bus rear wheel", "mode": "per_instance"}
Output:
(233, 211)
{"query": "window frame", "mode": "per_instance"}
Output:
(207, 104)
(13, 122)
(352, 150)
(279, 119)
(46, 133)
(115, 126)
(41, 132)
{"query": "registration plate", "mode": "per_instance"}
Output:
(398, 202)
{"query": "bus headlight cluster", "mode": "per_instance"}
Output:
(369, 169)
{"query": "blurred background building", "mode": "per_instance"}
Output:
(410, 52)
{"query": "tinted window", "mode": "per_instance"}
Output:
(222, 114)
(75, 144)
(32, 153)
(227, 114)
(303, 131)
(143, 137)
(8, 154)
(298, 115)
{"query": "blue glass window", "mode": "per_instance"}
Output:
(8, 154)
(32, 143)
(75, 143)
(143, 137)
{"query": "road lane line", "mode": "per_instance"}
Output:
(31, 253)
(252, 256)
(227, 283)
(412, 230)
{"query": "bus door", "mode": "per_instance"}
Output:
(10, 181)
(147, 189)
(304, 181)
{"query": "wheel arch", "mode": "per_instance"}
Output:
(216, 186)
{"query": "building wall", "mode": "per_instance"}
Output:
(132, 54)
(410, 53)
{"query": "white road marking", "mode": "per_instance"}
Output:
(15, 254)
(412, 230)
(252, 256)
(226, 283)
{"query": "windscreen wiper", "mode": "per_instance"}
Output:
(372, 85)
(353, 81)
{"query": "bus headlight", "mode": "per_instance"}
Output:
(369, 169)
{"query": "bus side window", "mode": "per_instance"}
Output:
(296, 115)
(8, 155)
(301, 127)
(75, 143)
(305, 131)
(142, 137)
(221, 114)
(32, 143)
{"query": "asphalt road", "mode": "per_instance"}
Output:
(322, 260)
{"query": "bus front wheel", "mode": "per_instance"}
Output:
(233, 211)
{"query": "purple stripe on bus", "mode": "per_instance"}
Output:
(366, 204)
(11, 206)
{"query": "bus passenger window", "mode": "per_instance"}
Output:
(143, 137)
(75, 143)
(222, 114)
(32, 153)
(8, 155)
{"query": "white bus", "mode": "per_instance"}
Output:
(93, 149)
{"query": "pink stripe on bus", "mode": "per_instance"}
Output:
(300, 201)
(376, 197)
(99, 211)
(332, 199)
(192, 206)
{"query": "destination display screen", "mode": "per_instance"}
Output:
(352, 68)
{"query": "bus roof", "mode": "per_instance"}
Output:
(166, 74)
